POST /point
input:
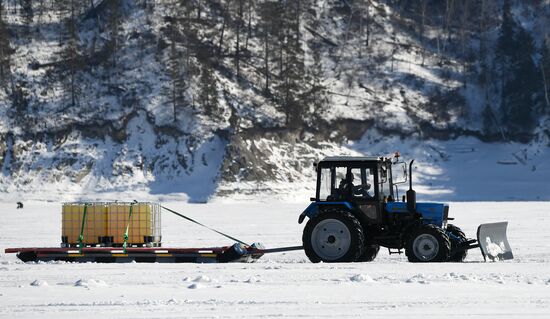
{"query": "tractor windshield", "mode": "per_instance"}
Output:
(346, 183)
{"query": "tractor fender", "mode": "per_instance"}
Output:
(314, 208)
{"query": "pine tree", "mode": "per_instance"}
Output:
(519, 82)
(177, 80)
(20, 100)
(115, 41)
(270, 14)
(5, 49)
(292, 65)
(238, 26)
(545, 73)
(177, 86)
(71, 55)
(208, 92)
(27, 13)
(489, 121)
(315, 98)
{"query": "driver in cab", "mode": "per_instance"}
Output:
(348, 190)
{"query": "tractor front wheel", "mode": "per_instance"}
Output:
(334, 236)
(428, 243)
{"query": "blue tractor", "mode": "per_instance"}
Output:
(357, 209)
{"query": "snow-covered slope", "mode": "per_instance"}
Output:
(377, 78)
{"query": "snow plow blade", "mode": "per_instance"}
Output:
(493, 242)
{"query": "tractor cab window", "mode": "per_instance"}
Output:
(362, 183)
(346, 183)
(383, 181)
(353, 183)
(340, 174)
(325, 184)
(342, 183)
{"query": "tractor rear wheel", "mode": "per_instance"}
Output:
(370, 252)
(428, 243)
(334, 236)
(457, 237)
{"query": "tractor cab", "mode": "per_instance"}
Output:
(357, 179)
(366, 184)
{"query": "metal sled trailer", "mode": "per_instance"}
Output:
(235, 253)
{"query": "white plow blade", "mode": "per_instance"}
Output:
(493, 241)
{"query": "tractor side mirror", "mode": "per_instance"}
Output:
(401, 175)
(312, 199)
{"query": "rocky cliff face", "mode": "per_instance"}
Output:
(206, 97)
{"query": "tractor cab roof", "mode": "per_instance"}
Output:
(350, 160)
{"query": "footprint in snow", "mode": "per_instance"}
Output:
(468, 278)
(89, 283)
(361, 278)
(417, 279)
(272, 267)
(39, 283)
(252, 280)
(202, 278)
(195, 285)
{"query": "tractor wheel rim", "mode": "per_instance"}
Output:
(330, 239)
(425, 247)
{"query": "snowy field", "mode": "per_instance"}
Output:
(279, 285)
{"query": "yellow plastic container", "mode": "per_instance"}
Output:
(94, 227)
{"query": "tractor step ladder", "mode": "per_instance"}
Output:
(394, 251)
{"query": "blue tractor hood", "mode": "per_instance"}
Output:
(432, 213)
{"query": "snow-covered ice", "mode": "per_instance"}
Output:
(279, 285)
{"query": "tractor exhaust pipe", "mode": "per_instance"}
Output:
(411, 194)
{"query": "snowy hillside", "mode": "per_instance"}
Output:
(194, 99)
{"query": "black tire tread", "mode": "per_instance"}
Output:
(457, 256)
(369, 253)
